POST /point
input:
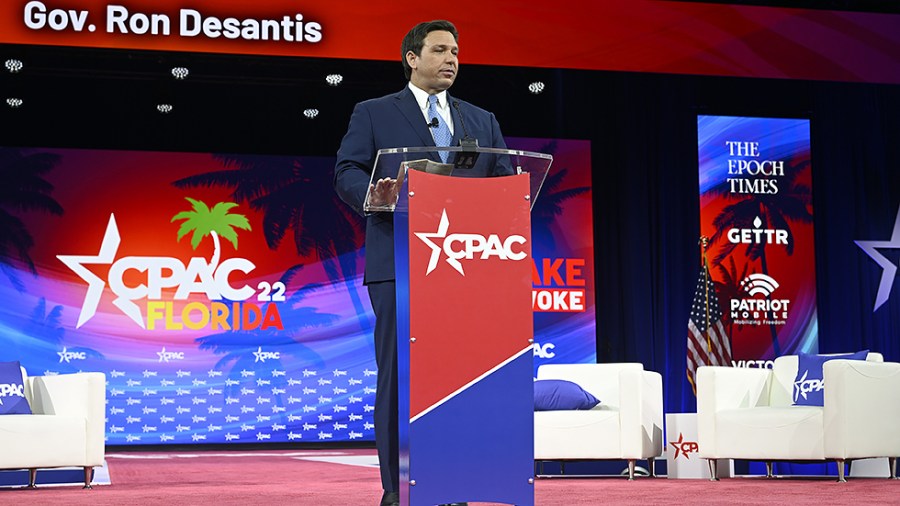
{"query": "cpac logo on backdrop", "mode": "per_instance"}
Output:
(165, 356)
(261, 356)
(212, 279)
(66, 356)
(544, 350)
(458, 247)
(684, 448)
(765, 311)
(757, 235)
(804, 386)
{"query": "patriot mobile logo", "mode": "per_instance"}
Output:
(759, 284)
(759, 311)
(209, 278)
(458, 246)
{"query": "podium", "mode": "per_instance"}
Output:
(464, 320)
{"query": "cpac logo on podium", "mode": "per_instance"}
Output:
(458, 247)
(684, 448)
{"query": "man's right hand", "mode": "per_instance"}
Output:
(384, 192)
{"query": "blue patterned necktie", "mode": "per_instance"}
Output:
(442, 135)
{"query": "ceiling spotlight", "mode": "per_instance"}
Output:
(180, 72)
(14, 102)
(164, 108)
(536, 87)
(13, 65)
(334, 79)
(311, 113)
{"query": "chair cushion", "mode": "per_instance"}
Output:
(552, 395)
(578, 434)
(809, 385)
(12, 390)
(43, 441)
(767, 433)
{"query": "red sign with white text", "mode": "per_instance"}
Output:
(470, 270)
(624, 35)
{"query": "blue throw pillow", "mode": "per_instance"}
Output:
(554, 395)
(809, 385)
(12, 390)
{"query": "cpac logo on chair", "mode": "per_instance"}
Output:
(805, 386)
(684, 448)
(10, 389)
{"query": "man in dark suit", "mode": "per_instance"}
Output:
(405, 119)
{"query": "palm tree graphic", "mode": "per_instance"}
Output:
(45, 325)
(203, 221)
(297, 200)
(730, 288)
(790, 204)
(24, 189)
(550, 203)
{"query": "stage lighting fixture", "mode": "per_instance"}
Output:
(311, 113)
(14, 102)
(164, 108)
(13, 65)
(334, 79)
(180, 72)
(536, 87)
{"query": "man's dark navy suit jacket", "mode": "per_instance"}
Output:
(396, 121)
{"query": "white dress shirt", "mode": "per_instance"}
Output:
(442, 106)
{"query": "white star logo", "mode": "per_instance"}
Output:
(107, 253)
(436, 249)
(798, 386)
(890, 270)
(260, 356)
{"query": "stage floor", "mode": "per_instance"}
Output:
(350, 477)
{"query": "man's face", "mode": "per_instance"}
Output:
(435, 70)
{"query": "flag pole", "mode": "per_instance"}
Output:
(704, 244)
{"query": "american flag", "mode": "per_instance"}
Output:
(707, 342)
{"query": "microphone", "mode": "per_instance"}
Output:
(433, 123)
(469, 155)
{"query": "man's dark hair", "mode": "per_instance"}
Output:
(415, 39)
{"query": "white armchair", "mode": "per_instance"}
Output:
(627, 424)
(67, 426)
(748, 414)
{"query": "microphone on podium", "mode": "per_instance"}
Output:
(468, 156)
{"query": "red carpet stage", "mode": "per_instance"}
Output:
(349, 477)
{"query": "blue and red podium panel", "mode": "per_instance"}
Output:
(465, 328)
